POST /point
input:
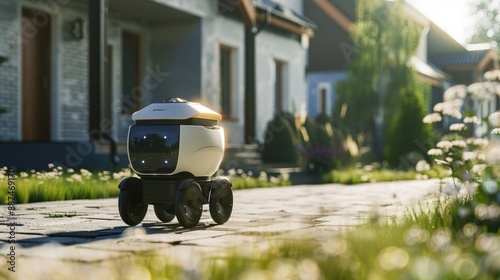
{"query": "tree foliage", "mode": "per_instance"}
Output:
(487, 13)
(381, 76)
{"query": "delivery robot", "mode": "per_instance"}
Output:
(175, 147)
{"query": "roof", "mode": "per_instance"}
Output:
(470, 58)
(282, 10)
(428, 69)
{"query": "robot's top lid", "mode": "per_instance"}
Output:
(175, 109)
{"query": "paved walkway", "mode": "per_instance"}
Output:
(94, 233)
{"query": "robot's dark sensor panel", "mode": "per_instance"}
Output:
(154, 149)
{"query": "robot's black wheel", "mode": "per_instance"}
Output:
(132, 209)
(164, 214)
(221, 201)
(189, 203)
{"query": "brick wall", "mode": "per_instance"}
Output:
(9, 70)
(73, 90)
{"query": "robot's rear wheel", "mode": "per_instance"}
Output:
(132, 209)
(189, 203)
(221, 201)
(164, 213)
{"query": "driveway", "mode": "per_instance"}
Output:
(87, 233)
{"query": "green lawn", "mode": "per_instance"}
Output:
(59, 184)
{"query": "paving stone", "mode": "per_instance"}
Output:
(177, 237)
(124, 245)
(69, 253)
(276, 228)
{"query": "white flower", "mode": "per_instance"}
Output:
(76, 177)
(495, 131)
(470, 155)
(493, 75)
(455, 92)
(51, 165)
(452, 112)
(70, 170)
(459, 143)
(85, 173)
(480, 141)
(435, 152)
(438, 107)
(444, 145)
(476, 87)
(23, 174)
(432, 118)
(478, 168)
(458, 127)
(422, 166)
(494, 119)
(105, 178)
(472, 119)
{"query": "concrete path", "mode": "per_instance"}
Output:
(84, 234)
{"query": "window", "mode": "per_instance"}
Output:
(322, 100)
(279, 86)
(131, 89)
(225, 81)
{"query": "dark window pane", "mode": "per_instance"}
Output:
(225, 81)
(278, 87)
(322, 109)
(130, 73)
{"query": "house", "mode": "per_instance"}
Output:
(440, 61)
(76, 70)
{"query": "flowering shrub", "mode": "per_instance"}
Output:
(470, 151)
(321, 149)
(321, 159)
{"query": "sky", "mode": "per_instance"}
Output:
(453, 16)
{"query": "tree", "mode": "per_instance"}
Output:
(487, 13)
(379, 76)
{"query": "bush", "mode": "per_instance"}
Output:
(281, 141)
(407, 129)
(321, 151)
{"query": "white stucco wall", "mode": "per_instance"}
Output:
(228, 32)
(270, 47)
(175, 50)
(198, 8)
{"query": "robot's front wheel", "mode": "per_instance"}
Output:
(132, 209)
(221, 201)
(189, 203)
(163, 214)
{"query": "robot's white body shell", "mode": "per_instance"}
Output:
(201, 146)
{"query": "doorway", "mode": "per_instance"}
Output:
(36, 75)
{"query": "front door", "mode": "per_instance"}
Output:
(36, 60)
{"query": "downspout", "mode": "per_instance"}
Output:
(97, 10)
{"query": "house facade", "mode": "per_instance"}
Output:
(440, 61)
(153, 50)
